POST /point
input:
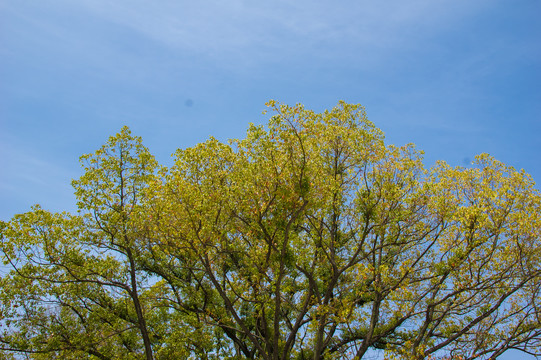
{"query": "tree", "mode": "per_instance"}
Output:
(308, 239)
(76, 288)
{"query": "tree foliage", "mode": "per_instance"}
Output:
(308, 239)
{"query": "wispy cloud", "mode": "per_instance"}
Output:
(244, 33)
(28, 177)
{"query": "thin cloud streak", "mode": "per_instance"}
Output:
(230, 31)
(31, 178)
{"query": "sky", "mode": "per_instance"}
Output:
(455, 77)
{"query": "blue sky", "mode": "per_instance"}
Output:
(457, 77)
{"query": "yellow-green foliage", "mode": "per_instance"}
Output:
(308, 239)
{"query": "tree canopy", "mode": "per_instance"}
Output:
(308, 239)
